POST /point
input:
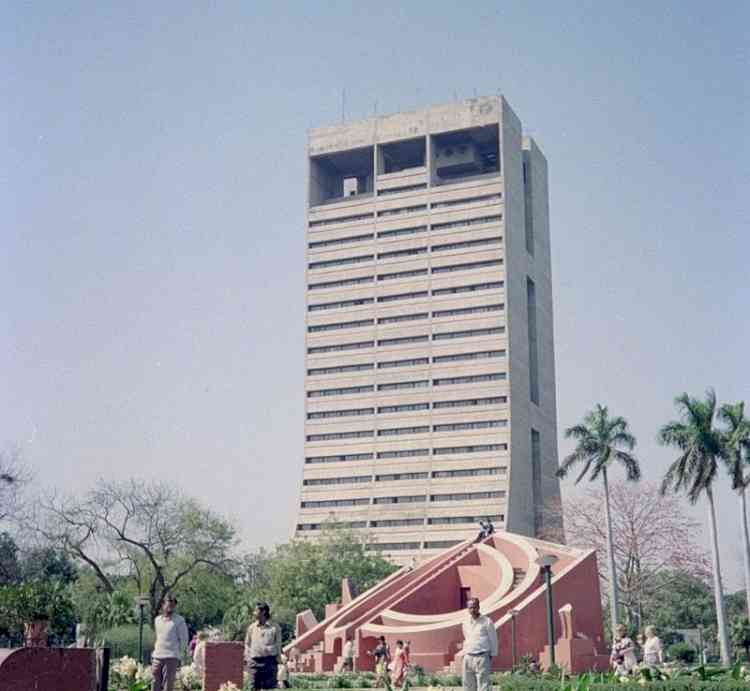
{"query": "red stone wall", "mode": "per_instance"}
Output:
(223, 663)
(48, 669)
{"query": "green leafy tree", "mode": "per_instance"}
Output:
(10, 567)
(602, 441)
(700, 446)
(304, 575)
(682, 601)
(149, 530)
(205, 596)
(740, 635)
(737, 455)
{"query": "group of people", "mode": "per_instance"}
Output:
(390, 668)
(485, 530)
(628, 654)
(262, 649)
(267, 668)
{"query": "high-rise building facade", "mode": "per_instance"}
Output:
(429, 366)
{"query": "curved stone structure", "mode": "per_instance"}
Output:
(426, 605)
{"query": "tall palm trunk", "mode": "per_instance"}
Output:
(721, 618)
(613, 603)
(746, 555)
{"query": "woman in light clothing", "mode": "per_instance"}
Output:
(623, 653)
(653, 652)
(199, 654)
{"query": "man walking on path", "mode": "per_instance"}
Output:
(262, 647)
(347, 656)
(171, 641)
(480, 646)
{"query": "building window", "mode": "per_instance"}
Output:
(402, 274)
(340, 262)
(472, 379)
(466, 200)
(401, 211)
(391, 546)
(408, 499)
(403, 318)
(339, 220)
(315, 371)
(340, 241)
(396, 522)
(470, 402)
(397, 431)
(474, 287)
(319, 526)
(536, 481)
(410, 362)
(340, 391)
(468, 496)
(341, 303)
(340, 458)
(398, 232)
(335, 436)
(467, 266)
(403, 408)
(402, 340)
(341, 284)
(450, 520)
(533, 346)
(421, 384)
(356, 324)
(469, 472)
(317, 482)
(404, 188)
(336, 347)
(477, 448)
(404, 296)
(499, 307)
(482, 220)
(528, 198)
(469, 333)
(402, 253)
(352, 412)
(457, 426)
(468, 243)
(459, 357)
(404, 453)
(441, 544)
(401, 476)
(330, 503)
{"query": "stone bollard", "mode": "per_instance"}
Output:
(224, 662)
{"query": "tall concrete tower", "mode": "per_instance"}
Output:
(429, 366)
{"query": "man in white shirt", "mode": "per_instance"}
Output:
(171, 641)
(347, 656)
(480, 646)
(262, 648)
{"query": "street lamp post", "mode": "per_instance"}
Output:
(141, 601)
(513, 615)
(545, 561)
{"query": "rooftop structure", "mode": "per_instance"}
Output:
(429, 366)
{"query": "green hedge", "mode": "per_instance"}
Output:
(123, 640)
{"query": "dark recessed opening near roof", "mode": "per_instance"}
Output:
(404, 155)
(337, 176)
(465, 153)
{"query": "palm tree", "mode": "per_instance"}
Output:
(701, 446)
(737, 454)
(600, 441)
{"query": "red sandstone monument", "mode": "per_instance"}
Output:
(426, 605)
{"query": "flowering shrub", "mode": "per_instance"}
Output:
(229, 686)
(189, 679)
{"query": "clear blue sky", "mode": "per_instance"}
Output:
(151, 216)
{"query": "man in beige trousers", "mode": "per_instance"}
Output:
(480, 646)
(171, 641)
